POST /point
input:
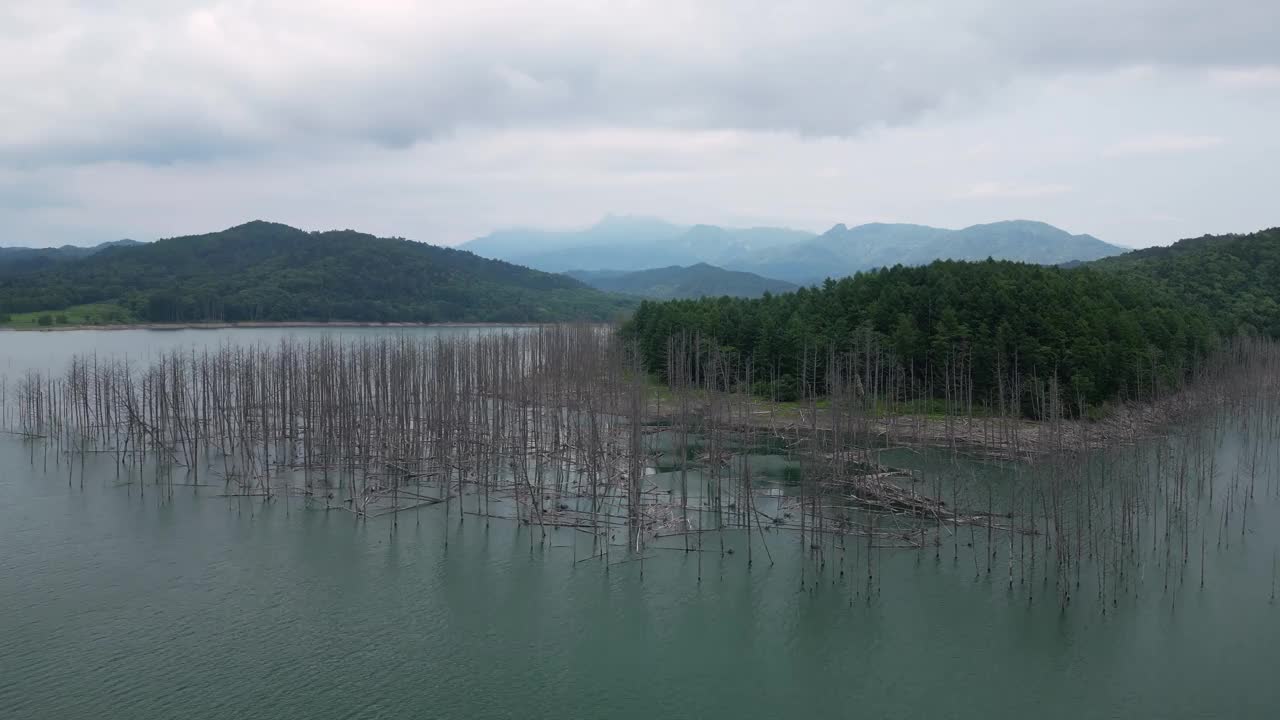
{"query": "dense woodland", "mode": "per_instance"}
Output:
(1122, 328)
(1235, 277)
(266, 271)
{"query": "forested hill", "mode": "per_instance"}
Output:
(267, 271)
(1106, 330)
(700, 280)
(1235, 277)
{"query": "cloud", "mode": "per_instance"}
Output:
(1014, 190)
(443, 120)
(1248, 79)
(190, 80)
(1164, 144)
(158, 82)
(1104, 33)
(31, 191)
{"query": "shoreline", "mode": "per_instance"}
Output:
(169, 327)
(987, 437)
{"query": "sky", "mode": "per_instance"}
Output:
(1140, 122)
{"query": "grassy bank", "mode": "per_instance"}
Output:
(95, 314)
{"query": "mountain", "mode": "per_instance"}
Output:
(620, 230)
(269, 271)
(700, 280)
(843, 251)
(631, 244)
(18, 260)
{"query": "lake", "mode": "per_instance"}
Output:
(121, 601)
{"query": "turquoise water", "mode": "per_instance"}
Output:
(125, 601)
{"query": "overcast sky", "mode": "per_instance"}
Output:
(1139, 121)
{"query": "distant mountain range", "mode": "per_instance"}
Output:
(676, 282)
(16, 260)
(631, 244)
(269, 271)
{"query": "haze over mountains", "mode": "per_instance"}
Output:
(269, 271)
(626, 244)
(629, 244)
(675, 282)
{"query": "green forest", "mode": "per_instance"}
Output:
(271, 272)
(1116, 328)
(1236, 278)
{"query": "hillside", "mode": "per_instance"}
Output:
(701, 280)
(632, 244)
(997, 322)
(1236, 278)
(267, 271)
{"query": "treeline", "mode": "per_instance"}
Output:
(978, 327)
(270, 272)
